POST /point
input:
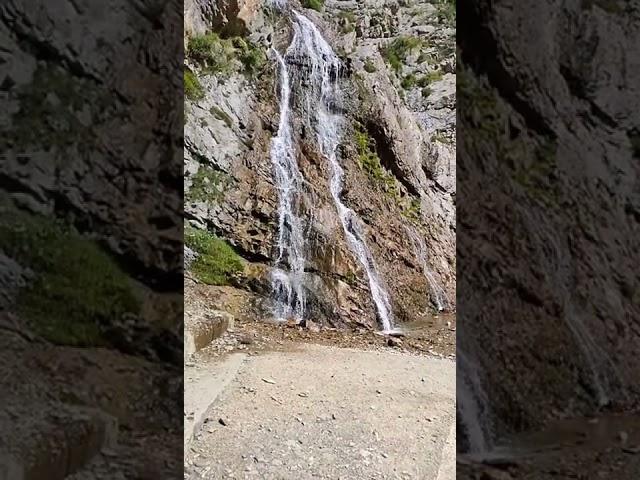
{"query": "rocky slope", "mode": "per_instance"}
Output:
(400, 115)
(549, 154)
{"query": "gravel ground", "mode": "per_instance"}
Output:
(316, 411)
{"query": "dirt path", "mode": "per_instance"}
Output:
(315, 411)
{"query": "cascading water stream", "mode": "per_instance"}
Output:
(473, 405)
(420, 251)
(287, 285)
(604, 371)
(322, 100)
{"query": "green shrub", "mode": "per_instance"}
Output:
(207, 186)
(369, 66)
(217, 262)
(425, 92)
(446, 11)
(218, 55)
(316, 5)
(408, 82)
(192, 88)
(77, 288)
(370, 161)
(396, 52)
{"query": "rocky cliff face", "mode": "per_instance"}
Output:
(550, 287)
(397, 150)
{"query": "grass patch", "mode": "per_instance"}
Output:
(78, 288)
(192, 87)
(217, 263)
(396, 52)
(412, 210)
(446, 11)
(369, 66)
(208, 185)
(347, 21)
(369, 161)
(425, 92)
(317, 5)
(222, 55)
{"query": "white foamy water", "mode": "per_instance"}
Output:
(288, 276)
(322, 98)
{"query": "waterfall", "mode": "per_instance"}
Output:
(287, 285)
(420, 251)
(472, 405)
(322, 100)
(559, 271)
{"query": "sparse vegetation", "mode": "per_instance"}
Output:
(220, 55)
(207, 186)
(192, 88)
(370, 161)
(221, 115)
(408, 82)
(77, 288)
(426, 91)
(347, 20)
(317, 5)
(369, 66)
(217, 263)
(412, 210)
(395, 53)
(446, 11)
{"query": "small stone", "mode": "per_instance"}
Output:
(623, 436)
(245, 340)
(190, 364)
(303, 394)
(222, 422)
(269, 380)
(394, 342)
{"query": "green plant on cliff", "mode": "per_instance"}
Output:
(219, 55)
(396, 52)
(217, 263)
(208, 185)
(615, 7)
(192, 88)
(76, 286)
(316, 5)
(369, 66)
(446, 11)
(369, 161)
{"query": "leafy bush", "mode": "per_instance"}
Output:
(370, 161)
(446, 11)
(218, 55)
(316, 5)
(408, 82)
(217, 262)
(192, 88)
(77, 288)
(207, 185)
(396, 52)
(369, 66)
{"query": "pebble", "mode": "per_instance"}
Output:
(269, 380)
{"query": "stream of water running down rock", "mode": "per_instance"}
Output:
(287, 285)
(323, 99)
(420, 250)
